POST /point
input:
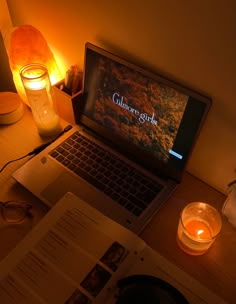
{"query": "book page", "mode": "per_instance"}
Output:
(74, 255)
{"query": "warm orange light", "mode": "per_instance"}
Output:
(27, 45)
(198, 229)
(33, 79)
(199, 224)
(37, 86)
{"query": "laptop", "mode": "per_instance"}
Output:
(127, 152)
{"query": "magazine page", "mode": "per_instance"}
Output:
(151, 263)
(74, 255)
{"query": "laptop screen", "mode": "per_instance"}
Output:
(147, 116)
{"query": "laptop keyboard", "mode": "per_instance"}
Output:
(107, 172)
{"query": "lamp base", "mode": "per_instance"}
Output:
(11, 108)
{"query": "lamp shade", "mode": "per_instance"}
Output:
(26, 46)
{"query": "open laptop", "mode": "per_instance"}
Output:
(133, 136)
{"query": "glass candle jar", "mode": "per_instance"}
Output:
(37, 87)
(199, 224)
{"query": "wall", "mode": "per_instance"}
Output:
(192, 42)
(6, 80)
(6, 83)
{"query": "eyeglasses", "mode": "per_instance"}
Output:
(15, 212)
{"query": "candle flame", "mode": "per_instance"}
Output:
(36, 85)
(200, 231)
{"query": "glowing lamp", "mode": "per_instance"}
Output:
(27, 45)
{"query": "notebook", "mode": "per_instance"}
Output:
(134, 133)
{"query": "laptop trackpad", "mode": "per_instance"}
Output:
(66, 183)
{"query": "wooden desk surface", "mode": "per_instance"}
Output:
(216, 269)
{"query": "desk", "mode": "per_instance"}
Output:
(216, 269)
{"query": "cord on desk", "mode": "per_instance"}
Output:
(38, 149)
(11, 161)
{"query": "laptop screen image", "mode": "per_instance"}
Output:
(152, 118)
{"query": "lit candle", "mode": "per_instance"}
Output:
(199, 225)
(198, 229)
(38, 90)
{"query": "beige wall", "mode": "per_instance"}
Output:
(190, 41)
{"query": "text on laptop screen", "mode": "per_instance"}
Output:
(143, 110)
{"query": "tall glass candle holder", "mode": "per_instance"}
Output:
(37, 87)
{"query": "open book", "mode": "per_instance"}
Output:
(76, 255)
